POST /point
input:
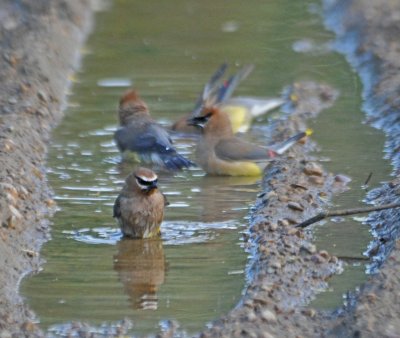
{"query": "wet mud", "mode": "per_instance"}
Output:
(285, 270)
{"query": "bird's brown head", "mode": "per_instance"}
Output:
(131, 104)
(143, 180)
(212, 121)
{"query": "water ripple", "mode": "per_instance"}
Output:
(173, 233)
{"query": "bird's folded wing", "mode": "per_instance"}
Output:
(117, 208)
(153, 139)
(235, 149)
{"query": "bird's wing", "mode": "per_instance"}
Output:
(163, 142)
(150, 138)
(117, 208)
(226, 90)
(166, 202)
(235, 149)
(209, 89)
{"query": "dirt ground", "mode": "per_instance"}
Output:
(40, 43)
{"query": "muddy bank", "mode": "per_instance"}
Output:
(368, 36)
(287, 271)
(39, 51)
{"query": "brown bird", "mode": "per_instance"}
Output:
(139, 208)
(219, 152)
(139, 133)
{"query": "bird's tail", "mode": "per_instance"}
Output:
(280, 148)
(174, 161)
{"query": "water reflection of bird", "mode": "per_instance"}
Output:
(139, 208)
(241, 110)
(141, 267)
(140, 134)
(219, 152)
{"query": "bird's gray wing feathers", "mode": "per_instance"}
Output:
(152, 139)
(235, 149)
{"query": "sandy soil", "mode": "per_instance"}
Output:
(286, 271)
(39, 50)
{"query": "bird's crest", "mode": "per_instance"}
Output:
(130, 95)
(130, 104)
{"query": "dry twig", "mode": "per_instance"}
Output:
(345, 212)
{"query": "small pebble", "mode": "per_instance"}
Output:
(316, 180)
(273, 227)
(312, 169)
(283, 198)
(42, 96)
(275, 264)
(9, 145)
(371, 297)
(293, 231)
(15, 212)
(309, 312)
(324, 254)
(268, 316)
(12, 100)
(42, 112)
(333, 259)
(301, 186)
(50, 202)
(309, 247)
(342, 179)
(318, 259)
(283, 222)
(295, 206)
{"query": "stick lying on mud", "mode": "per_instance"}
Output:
(345, 212)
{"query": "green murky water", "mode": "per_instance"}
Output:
(168, 50)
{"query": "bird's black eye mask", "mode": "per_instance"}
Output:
(145, 183)
(199, 121)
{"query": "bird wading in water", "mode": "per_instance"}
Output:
(139, 208)
(220, 152)
(139, 133)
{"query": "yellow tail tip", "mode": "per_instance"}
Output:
(309, 132)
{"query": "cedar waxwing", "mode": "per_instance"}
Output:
(241, 110)
(219, 152)
(139, 133)
(139, 208)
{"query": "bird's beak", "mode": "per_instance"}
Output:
(199, 122)
(152, 186)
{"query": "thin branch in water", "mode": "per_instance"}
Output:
(350, 258)
(368, 179)
(345, 212)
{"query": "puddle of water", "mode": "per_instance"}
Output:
(168, 50)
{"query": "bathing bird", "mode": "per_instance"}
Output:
(139, 208)
(139, 133)
(220, 152)
(218, 92)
